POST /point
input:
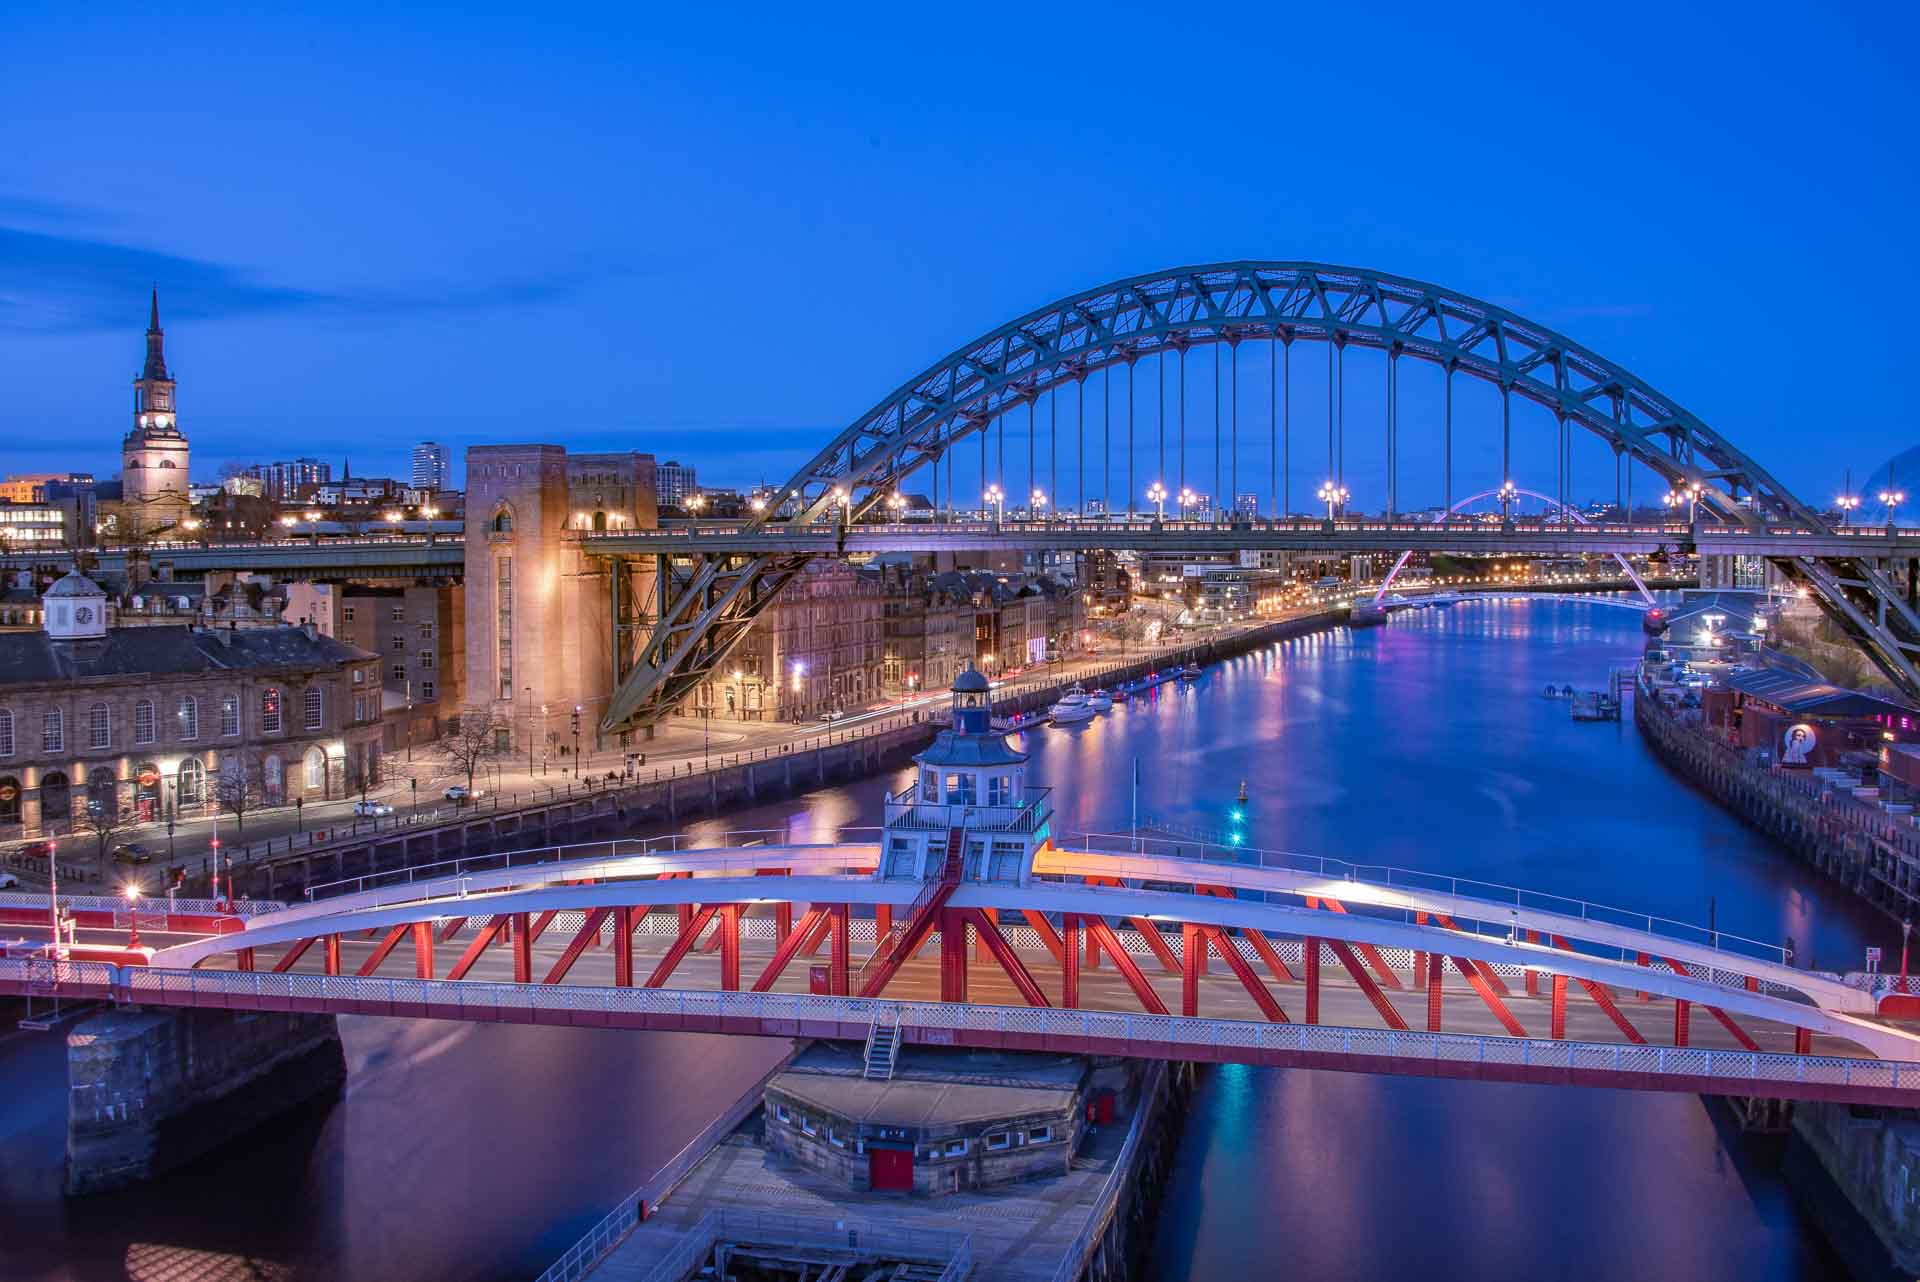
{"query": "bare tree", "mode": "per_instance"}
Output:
(239, 790)
(101, 818)
(360, 778)
(475, 735)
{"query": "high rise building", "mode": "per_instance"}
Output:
(153, 458)
(284, 480)
(676, 484)
(429, 466)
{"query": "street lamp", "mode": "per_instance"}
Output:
(1508, 492)
(133, 916)
(996, 499)
(1037, 502)
(1892, 499)
(1187, 499)
(529, 690)
(896, 503)
(576, 741)
(1334, 496)
(1847, 503)
(696, 503)
(1157, 495)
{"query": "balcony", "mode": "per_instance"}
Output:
(1024, 816)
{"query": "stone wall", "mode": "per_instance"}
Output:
(150, 1090)
(1873, 1159)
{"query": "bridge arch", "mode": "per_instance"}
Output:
(1516, 491)
(707, 610)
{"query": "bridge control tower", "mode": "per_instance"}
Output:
(970, 816)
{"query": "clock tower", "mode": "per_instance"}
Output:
(153, 458)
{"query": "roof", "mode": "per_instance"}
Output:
(971, 681)
(951, 748)
(931, 1089)
(74, 583)
(1798, 695)
(28, 658)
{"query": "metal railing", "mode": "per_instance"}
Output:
(775, 1229)
(904, 810)
(1152, 1083)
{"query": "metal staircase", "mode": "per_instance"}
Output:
(917, 920)
(883, 1043)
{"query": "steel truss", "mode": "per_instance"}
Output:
(706, 610)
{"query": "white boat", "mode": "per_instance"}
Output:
(1190, 673)
(1100, 699)
(1074, 706)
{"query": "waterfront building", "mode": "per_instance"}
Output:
(430, 466)
(676, 484)
(154, 455)
(32, 525)
(817, 648)
(419, 632)
(159, 721)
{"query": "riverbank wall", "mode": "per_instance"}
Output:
(151, 1090)
(1857, 1173)
(617, 809)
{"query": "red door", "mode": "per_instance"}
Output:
(890, 1169)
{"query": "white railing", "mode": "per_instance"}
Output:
(594, 1246)
(768, 1228)
(1150, 1035)
(152, 905)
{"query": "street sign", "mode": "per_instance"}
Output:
(1873, 961)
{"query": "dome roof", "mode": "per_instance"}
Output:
(75, 583)
(972, 681)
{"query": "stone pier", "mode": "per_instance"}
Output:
(151, 1090)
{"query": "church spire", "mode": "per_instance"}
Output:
(156, 343)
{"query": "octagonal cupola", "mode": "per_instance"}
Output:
(74, 609)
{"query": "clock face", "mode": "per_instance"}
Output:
(83, 614)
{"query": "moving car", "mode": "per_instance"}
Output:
(371, 809)
(133, 853)
(458, 794)
(8, 881)
(833, 714)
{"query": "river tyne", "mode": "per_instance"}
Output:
(480, 1152)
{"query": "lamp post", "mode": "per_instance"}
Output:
(133, 916)
(1892, 499)
(1187, 499)
(1037, 504)
(996, 499)
(896, 503)
(1157, 495)
(1334, 496)
(529, 690)
(1508, 492)
(1847, 503)
(576, 741)
(1906, 933)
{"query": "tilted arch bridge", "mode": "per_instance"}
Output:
(707, 601)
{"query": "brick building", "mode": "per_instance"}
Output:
(818, 648)
(419, 632)
(157, 720)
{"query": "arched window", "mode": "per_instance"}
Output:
(133, 462)
(600, 522)
(99, 726)
(188, 717)
(192, 786)
(270, 710)
(503, 522)
(167, 463)
(9, 800)
(53, 733)
(143, 727)
(316, 770)
(6, 732)
(312, 706)
(56, 796)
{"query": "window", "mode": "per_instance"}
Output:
(426, 690)
(399, 642)
(999, 791)
(192, 784)
(359, 707)
(53, 732)
(956, 1148)
(782, 1112)
(143, 727)
(399, 614)
(930, 785)
(188, 716)
(6, 732)
(426, 658)
(1000, 1141)
(359, 676)
(99, 726)
(503, 522)
(835, 1138)
(229, 715)
(346, 614)
(426, 632)
(316, 770)
(503, 623)
(960, 790)
(399, 672)
(313, 707)
(807, 1125)
(1040, 1135)
(270, 710)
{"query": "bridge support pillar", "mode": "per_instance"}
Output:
(729, 932)
(331, 955)
(953, 955)
(1682, 1020)
(1559, 1032)
(522, 949)
(841, 950)
(625, 920)
(1533, 976)
(1310, 962)
(1192, 951)
(1436, 987)
(1070, 960)
(423, 950)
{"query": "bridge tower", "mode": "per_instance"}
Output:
(971, 800)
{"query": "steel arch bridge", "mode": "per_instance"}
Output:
(706, 603)
(1514, 491)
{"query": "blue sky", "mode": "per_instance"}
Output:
(721, 233)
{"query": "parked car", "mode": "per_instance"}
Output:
(371, 809)
(37, 849)
(133, 853)
(8, 881)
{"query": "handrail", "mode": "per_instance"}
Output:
(1152, 1082)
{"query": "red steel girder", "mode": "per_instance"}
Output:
(1263, 947)
(330, 958)
(1366, 984)
(522, 949)
(1097, 929)
(1147, 930)
(1436, 982)
(481, 942)
(1682, 1020)
(919, 928)
(423, 950)
(729, 932)
(1070, 960)
(1734, 1030)
(452, 928)
(792, 944)
(1559, 1017)
(1044, 928)
(372, 963)
(1222, 943)
(996, 943)
(840, 949)
(625, 919)
(783, 909)
(1604, 1000)
(1478, 982)
(292, 956)
(953, 955)
(682, 944)
(1368, 951)
(1310, 965)
(1193, 947)
(1487, 972)
(582, 940)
